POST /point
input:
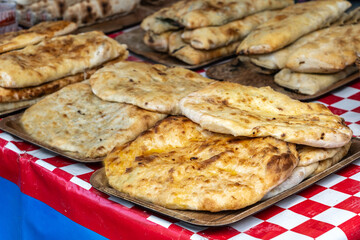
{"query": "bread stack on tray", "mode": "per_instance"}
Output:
(37, 62)
(78, 11)
(226, 146)
(198, 31)
(308, 55)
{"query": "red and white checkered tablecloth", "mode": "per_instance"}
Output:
(327, 210)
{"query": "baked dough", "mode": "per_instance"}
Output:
(56, 58)
(325, 164)
(294, 22)
(74, 120)
(183, 51)
(309, 155)
(16, 40)
(22, 94)
(207, 38)
(310, 83)
(158, 42)
(13, 106)
(90, 11)
(204, 13)
(153, 87)
(297, 176)
(179, 165)
(240, 110)
(331, 52)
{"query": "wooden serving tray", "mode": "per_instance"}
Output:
(11, 124)
(203, 218)
(134, 40)
(248, 74)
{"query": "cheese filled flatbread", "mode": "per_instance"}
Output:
(153, 87)
(331, 52)
(218, 36)
(310, 83)
(56, 58)
(88, 12)
(179, 165)
(240, 110)
(293, 22)
(184, 52)
(16, 40)
(69, 120)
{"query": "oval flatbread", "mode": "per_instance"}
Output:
(239, 110)
(294, 22)
(56, 58)
(75, 120)
(179, 165)
(153, 87)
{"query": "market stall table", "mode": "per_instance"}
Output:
(46, 196)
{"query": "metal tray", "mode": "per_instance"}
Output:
(203, 218)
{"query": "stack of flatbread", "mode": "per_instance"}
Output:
(198, 31)
(309, 57)
(233, 145)
(78, 11)
(32, 71)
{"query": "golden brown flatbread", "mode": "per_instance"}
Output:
(331, 52)
(239, 110)
(179, 165)
(75, 120)
(56, 58)
(207, 38)
(294, 22)
(22, 94)
(16, 40)
(203, 13)
(184, 52)
(310, 83)
(325, 164)
(90, 11)
(153, 87)
(158, 42)
(309, 155)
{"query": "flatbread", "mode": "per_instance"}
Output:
(75, 120)
(240, 110)
(309, 155)
(179, 165)
(88, 12)
(207, 38)
(203, 13)
(277, 60)
(331, 52)
(325, 164)
(22, 94)
(10, 106)
(16, 40)
(184, 52)
(56, 58)
(297, 176)
(310, 83)
(158, 42)
(294, 22)
(153, 87)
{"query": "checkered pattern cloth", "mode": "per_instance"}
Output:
(327, 210)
